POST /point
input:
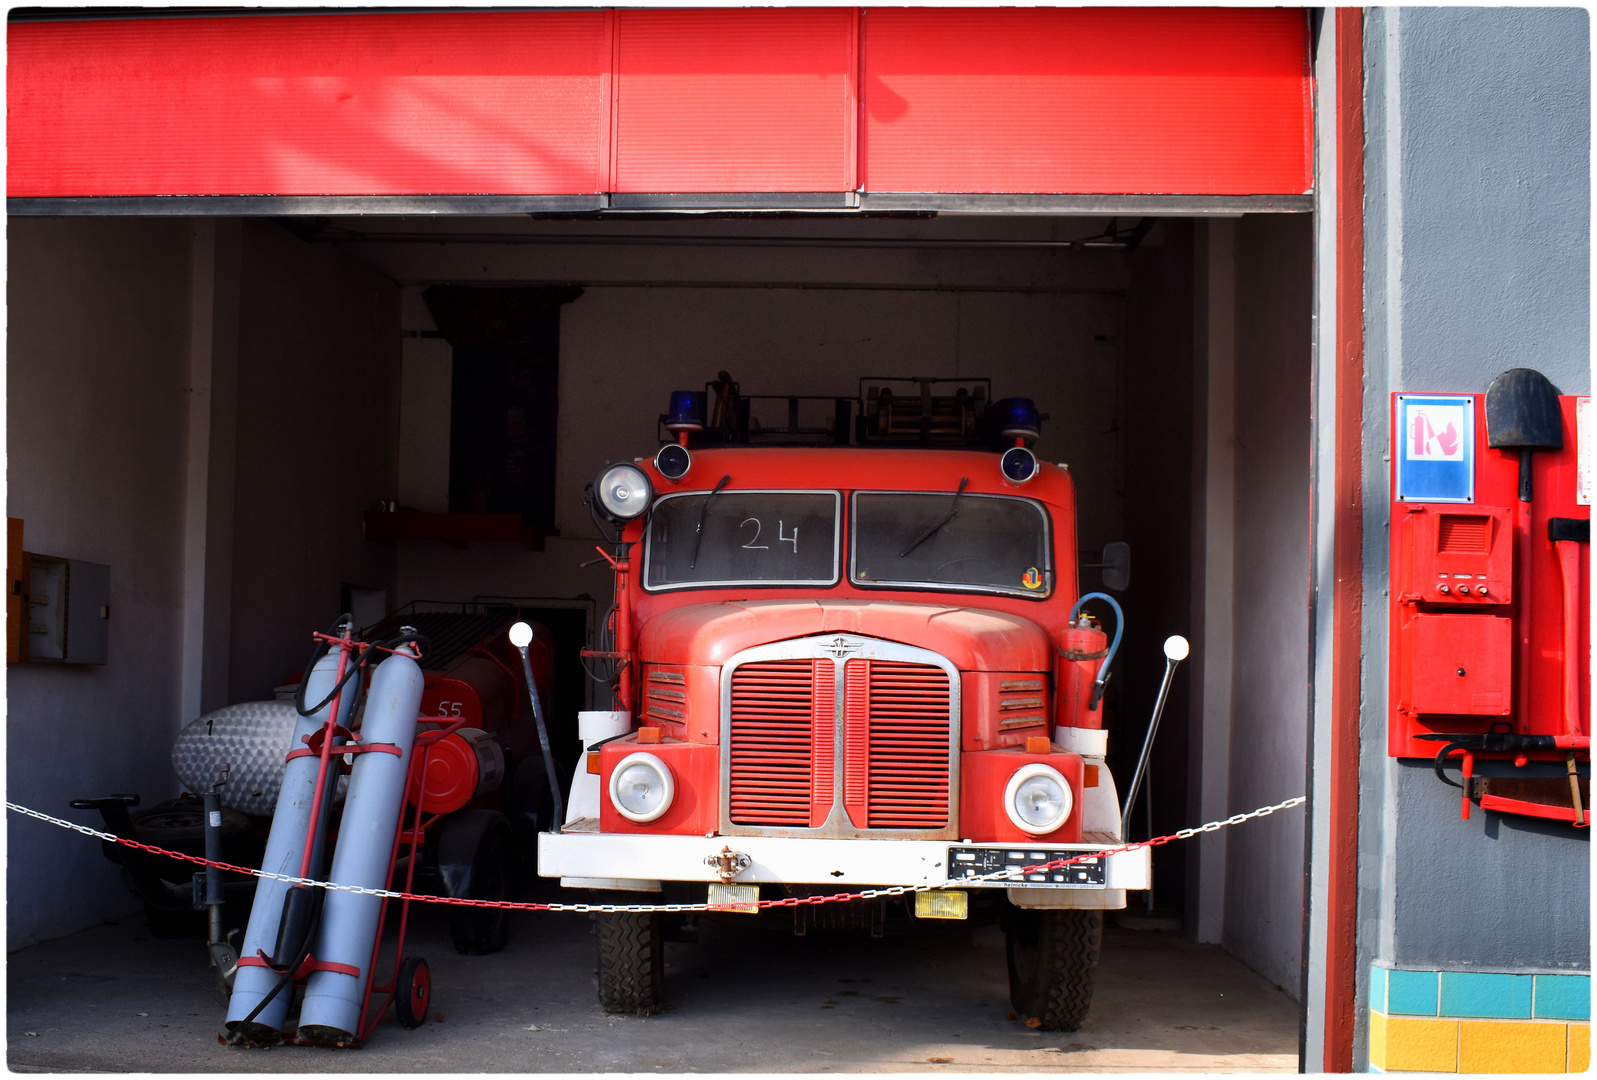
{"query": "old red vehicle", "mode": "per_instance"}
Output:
(848, 666)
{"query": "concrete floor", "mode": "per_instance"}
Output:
(748, 997)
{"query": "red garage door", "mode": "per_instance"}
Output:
(1091, 101)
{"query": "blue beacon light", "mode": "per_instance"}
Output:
(1018, 419)
(686, 412)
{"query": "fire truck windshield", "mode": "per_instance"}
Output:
(749, 538)
(991, 543)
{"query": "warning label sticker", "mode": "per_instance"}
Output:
(1434, 444)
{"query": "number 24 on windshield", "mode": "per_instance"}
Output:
(781, 536)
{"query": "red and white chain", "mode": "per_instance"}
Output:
(1014, 873)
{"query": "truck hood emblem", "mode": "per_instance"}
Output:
(842, 646)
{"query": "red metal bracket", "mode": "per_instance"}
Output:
(260, 959)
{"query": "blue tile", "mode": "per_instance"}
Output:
(1411, 992)
(1378, 989)
(1563, 997)
(1489, 994)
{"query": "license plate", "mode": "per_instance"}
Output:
(965, 863)
(743, 898)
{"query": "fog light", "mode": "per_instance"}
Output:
(1018, 464)
(673, 461)
(1038, 799)
(641, 788)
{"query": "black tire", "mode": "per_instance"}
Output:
(631, 961)
(480, 931)
(413, 993)
(1053, 961)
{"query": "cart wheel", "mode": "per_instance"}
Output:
(1053, 959)
(413, 993)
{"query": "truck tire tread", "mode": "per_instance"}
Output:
(631, 962)
(1052, 980)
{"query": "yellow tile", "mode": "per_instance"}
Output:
(1579, 1047)
(1377, 1040)
(1414, 1044)
(1504, 1046)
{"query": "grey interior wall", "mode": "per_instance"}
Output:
(1269, 700)
(623, 350)
(1477, 227)
(317, 442)
(96, 408)
(1156, 418)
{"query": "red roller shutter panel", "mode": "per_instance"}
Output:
(1097, 100)
(735, 100)
(481, 102)
(1186, 101)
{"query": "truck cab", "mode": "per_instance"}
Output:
(846, 667)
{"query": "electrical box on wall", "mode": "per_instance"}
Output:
(1490, 612)
(64, 608)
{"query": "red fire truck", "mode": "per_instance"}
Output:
(847, 666)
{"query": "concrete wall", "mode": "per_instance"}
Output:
(97, 407)
(207, 407)
(1156, 417)
(1269, 646)
(623, 350)
(1477, 227)
(317, 433)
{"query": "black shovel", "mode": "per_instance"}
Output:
(1522, 414)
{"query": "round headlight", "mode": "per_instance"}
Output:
(641, 788)
(1038, 799)
(624, 493)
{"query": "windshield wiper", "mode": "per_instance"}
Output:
(944, 520)
(698, 533)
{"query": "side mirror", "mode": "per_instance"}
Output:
(1116, 566)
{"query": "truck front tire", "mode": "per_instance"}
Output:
(631, 961)
(1053, 960)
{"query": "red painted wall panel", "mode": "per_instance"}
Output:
(481, 102)
(735, 100)
(1184, 101)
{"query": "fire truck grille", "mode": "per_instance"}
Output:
(907, 766)
(783, 746)
(773, 740)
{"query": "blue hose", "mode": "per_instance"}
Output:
(1114, 643)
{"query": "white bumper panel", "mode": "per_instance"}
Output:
(779, 859)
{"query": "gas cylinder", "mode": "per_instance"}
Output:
(331, 1012)
(1082, 653)
(285, 849)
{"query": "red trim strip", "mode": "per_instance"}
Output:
(1348, 562)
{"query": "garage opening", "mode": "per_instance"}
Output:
(403, 413)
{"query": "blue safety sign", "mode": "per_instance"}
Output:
(1435, 446)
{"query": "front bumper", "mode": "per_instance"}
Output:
(584, 858)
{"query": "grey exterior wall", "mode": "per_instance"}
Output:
(97, 407)
(1477, 229)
